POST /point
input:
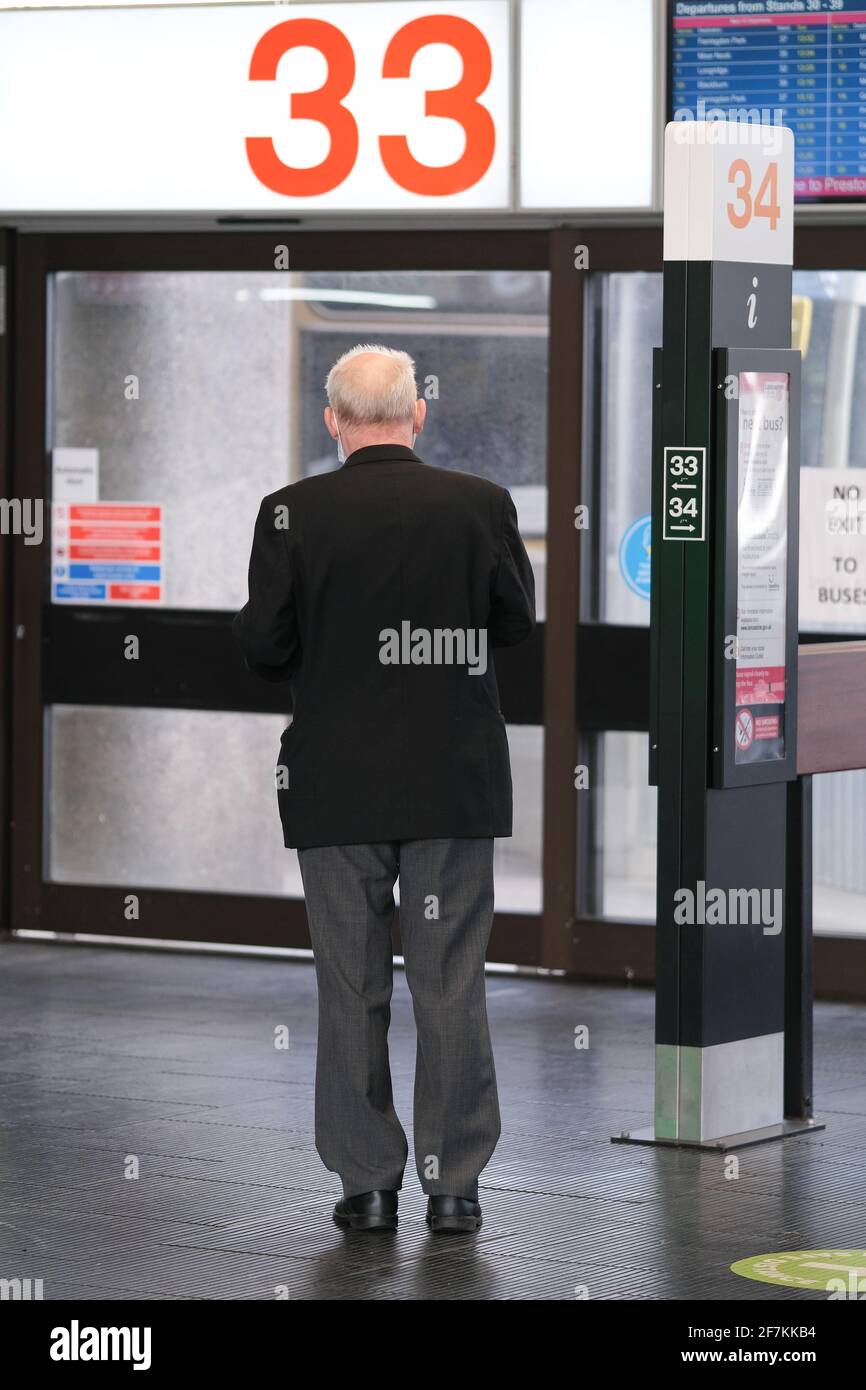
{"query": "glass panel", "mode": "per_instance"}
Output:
(208, 435)
(625, 324)
(209, 822)
(204, 391)
(838, 865)
(517, 862)
(620, 879)
(829, 330)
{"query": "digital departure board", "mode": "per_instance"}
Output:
(799, 63)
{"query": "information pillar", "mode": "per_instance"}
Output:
(723, 630)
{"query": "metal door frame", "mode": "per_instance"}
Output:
(7, 549)
(41, 676)
(573, 686)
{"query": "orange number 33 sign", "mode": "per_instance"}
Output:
(325, 105)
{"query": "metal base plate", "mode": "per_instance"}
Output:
(785, 1130)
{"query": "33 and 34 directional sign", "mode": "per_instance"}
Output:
(685, 485)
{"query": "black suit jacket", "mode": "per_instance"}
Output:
(380, 751)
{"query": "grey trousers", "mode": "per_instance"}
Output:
(446, 911)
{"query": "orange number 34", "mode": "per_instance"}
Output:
(742, 208)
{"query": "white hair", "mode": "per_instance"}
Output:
(383, 396)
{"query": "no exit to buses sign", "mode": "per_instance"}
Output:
(685, 485)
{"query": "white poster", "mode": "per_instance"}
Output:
(762, 566)
(832, 549)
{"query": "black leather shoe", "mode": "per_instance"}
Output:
(453, 1214)
(368, 1211)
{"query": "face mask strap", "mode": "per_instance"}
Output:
(341, 452)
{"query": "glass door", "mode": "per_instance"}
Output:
(624, 324)
(178, 393)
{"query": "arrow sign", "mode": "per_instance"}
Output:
(684, 517)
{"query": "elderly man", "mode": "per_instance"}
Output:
(375, 590)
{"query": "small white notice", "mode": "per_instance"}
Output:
(75, 475)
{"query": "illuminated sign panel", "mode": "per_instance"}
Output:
(797, 64)
(588, 123)
(259, 107)
(404, 106)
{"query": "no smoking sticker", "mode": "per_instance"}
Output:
(744, 729)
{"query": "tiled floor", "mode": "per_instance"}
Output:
(112, 1058)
